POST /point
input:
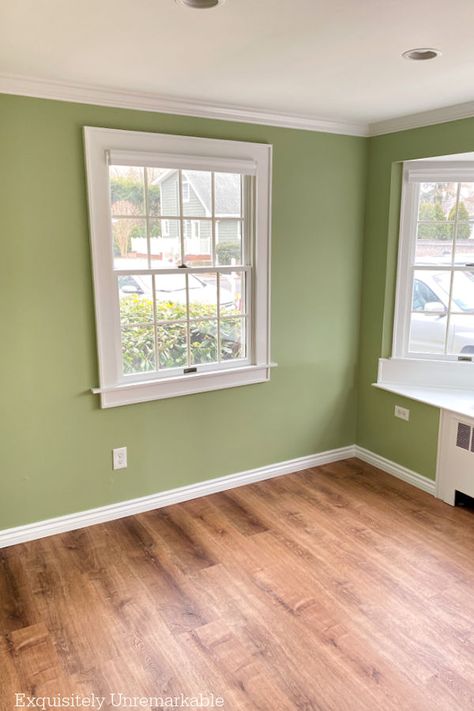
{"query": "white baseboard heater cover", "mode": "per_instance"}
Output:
(455, 456)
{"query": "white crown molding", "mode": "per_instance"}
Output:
(396, 470)
(142, 101)
(425, 118)
(61, 524)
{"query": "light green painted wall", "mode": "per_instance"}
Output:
(411, 444)
(55, 449)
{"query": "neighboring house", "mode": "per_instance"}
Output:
(197, 204)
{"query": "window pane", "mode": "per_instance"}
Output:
(197, 242)
(434, 244)
(233, 339)
(169, 192)
(427, 332)
(170, 297)
(466, 202)
(138, 349)
(172, 345)
(203, 342)
(129, 243)
(461, 334)
(429, 311)
(127, 191)
(431, 291)
(232, 294)
(202, 295)
(165, 243)
(464, 253)
(228, 242)
(463, 292)
(435, 228)
(136, 299)
(197, 193)
(437, 202)
(228, 194)
(153, 180)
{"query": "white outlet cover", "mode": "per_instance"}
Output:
(119, 457)
(402, 412)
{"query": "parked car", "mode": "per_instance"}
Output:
(203, 332)
(170, 287)
(430, 313)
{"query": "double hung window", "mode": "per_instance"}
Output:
(435, 297)
(180, 232)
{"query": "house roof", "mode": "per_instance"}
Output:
(228, 188)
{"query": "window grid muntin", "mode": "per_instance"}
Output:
(450, 268)
(155, 323)
(244, 268)
(181, 217)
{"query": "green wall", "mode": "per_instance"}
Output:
(412, 444)
(55, 449)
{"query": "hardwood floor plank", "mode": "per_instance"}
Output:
(334, 589)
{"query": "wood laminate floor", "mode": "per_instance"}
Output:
(337, 588)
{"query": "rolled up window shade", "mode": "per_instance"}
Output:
(185, 162)
(440, 171)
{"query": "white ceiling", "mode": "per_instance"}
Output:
(330, 59)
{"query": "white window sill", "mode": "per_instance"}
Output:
(144, 391)
(447, 385)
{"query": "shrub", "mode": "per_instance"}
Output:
(464, 228)
(432, 211)
(226, 251)
(138, 347)
(127, 188)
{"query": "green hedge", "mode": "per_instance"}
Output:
(138, 350)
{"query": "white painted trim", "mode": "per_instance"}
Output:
(148, 101)
(146, 391)
(406, 249)
(111, 512)
(61, 524)
(142, 101)
(397, 470)
(442, 428)
(424, 118)
(427, 373)
(99, 144)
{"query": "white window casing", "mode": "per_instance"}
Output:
(408, 371)
(253, 161)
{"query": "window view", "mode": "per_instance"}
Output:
(442, 270)
(180, 242)
(181, 267)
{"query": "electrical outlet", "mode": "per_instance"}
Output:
(402, 413)
(119, 457)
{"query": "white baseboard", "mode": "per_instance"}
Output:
(411, 477)
(61, 524)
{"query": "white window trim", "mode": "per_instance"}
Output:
(187, 191)
(162, 149)
(408, 372)
(195, 229)
(413, 174)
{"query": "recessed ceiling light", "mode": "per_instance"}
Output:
(421, 54)
(200, 4)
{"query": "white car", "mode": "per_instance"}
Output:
(430, 313)
(170, 287)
